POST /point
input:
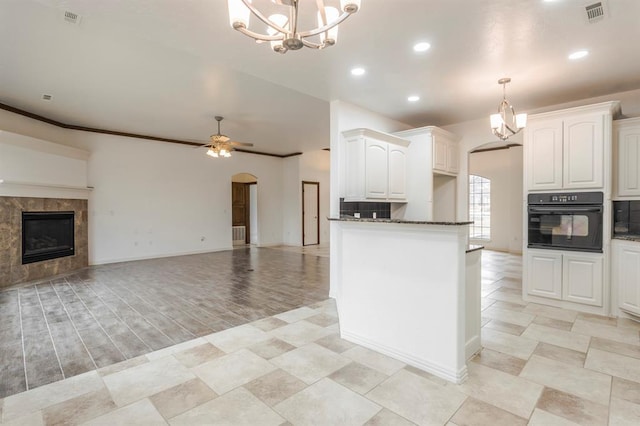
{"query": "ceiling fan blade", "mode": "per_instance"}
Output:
(234, 143)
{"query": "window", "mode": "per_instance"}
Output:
(480, 207)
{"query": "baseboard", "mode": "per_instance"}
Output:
(161, 256)
(456, 377)
(472, 347)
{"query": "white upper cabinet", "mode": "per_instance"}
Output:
(569, 149)
(583, 155)
(375, 166)
(445, 155)
(627, 158)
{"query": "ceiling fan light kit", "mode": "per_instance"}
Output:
(282, 29)
(221, 145)
(506, 122)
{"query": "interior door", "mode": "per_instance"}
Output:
(310, 213)
(240, 207)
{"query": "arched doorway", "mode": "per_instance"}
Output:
(244, 209)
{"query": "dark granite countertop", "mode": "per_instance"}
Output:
(410, 222)
(627, 237)
(474, 247)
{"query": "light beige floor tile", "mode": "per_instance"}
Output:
(388, 418)
(475, 412)
(124, 365)
(424, 374)
(36, 399)
(417, 399)
(310, 363)
(358, 377)
(597, 319)
(624, 413)
(613, 364)
(512, 317)
(237, 338)
(517, 346)
(508, 306)
(560, 354)
(300, 333)
(484, 321)
(237, 408)
(626, 389)
(268, 324)
(147, 379)
(275, 387)
(553, 323)
(505, 327)
(175, 348)
(183, 397)
(513, 394)
(543, 418)
(233, 370)
(507, 297)
(619, 334)
(327, 403)
(499, 361)
(551, 312)
(322, 319)
(137, 414)
(615, 347)
(296, 314)
(271, 348)
(485, 303)
(198, 355)
(79, 409)
(32, 419)
(565, 339)
(375, 360)
(573, 408)
(628, 323)
(335, 343)
(578, 381)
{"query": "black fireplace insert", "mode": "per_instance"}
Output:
(47, 235)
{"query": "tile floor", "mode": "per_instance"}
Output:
(539, 366)
(106, 314)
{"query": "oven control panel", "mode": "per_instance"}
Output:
(566, 198)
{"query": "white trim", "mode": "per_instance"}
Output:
(381, 136)
(456, 377)
(14, 188)
(158, 256)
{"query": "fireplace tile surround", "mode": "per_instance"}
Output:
(12, 271)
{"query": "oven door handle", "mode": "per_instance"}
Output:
(565, 209)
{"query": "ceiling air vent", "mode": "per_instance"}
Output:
(47, 97)
(72, 18)
(595, 12)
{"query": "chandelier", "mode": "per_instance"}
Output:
(282, 30)
(506, 122)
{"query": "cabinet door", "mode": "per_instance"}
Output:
(544, 274)
(397, 172)
(543, 142)
(582, 279)
(354, 170)
(376, 169)
(629, 161)
(584, 152)
(439, 154)
(627, 277)
(452, 157)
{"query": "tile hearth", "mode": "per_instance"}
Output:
(539, 366)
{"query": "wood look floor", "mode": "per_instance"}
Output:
(106, 314)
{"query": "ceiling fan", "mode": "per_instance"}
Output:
(221, 145)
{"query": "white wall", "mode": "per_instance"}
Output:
(154, 199)
(504, 169)
(291, 207)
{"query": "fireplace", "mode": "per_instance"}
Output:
(47, 235)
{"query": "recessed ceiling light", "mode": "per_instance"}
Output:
(358, 71)
(413, 98)
(578, 54)
(423, 46)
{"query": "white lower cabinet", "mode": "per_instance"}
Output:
(571, 276)
(626, 274)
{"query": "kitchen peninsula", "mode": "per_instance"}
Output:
(410, 290)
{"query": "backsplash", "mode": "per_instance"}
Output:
(366, 209)
(626, 217)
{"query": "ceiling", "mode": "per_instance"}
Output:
(167, 67)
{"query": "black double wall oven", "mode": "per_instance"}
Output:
(566, 221)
